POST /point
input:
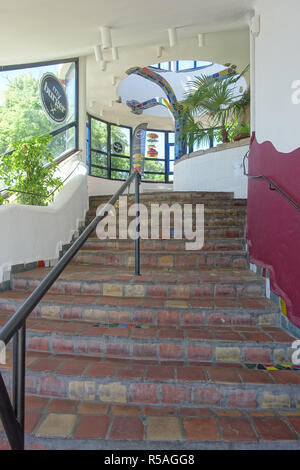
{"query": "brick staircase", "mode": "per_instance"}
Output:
(163, 360)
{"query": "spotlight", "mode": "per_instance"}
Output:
(98, 53)
(172, 37)
(106, 37)
(115, 53)
(201, 40)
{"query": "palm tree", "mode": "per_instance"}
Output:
(214, 100)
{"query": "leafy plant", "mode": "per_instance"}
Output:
(216, 102)
(30, 169)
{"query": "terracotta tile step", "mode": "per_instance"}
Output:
(177, 196)
(159, 384)
(209, 233)
(54, 424)
(173, 245)
(213, 343)
(226, 211)
(234, 259)
(209, 221)
(171, 283)
(214, 203)
(193, 312)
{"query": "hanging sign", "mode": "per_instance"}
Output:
(138, 148)
(53, 97)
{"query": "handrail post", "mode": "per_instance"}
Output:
(138, 225)
(19, 347)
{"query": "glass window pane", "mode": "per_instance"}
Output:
(203, 63)
(151, 165)
(185, 64)
(98, 172)
(22, 112)
(171, 152)
(148, 176)
(171, 166)
(171, 137)
(98, 135)
(120, 163)
(120, 140)
(120, 175)
(99, 159)
(165, 65)
(171, 177)
(63, 142)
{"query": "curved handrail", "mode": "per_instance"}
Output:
(272, 185)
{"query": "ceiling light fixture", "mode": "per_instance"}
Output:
(159, 51)
(113, 80)
(115, 53)
(98, 53)
(201, 40)
(102, 64)
(172, 37)
(106, 37)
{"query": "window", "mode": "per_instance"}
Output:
(109, 148)
(21, 110)
(181, 65)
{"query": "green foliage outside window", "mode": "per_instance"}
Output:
(30, 169)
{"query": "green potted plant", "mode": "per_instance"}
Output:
(30, 171)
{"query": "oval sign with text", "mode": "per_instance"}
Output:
(53, 97)
(117, 147)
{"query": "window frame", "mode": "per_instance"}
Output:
(70, 125)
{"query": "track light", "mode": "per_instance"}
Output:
(115, 53)
(113, 80)
(102, 64)
(106, 37)
(159, 51)
(98, 53)
(201, 40)
(172, 37)
(111, 103)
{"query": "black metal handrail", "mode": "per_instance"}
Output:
(272, 185)
(12, 415)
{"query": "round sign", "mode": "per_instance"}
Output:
(118, 147)
(53, 97)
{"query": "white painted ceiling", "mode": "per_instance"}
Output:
(35, 30)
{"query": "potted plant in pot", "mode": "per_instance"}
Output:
(212, 106)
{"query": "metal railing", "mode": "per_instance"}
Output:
(12, 414)
(272, 185)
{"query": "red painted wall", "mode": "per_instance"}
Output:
(273, 224)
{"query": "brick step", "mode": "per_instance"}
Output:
(235, 244)
(194, 385)
(61, 424)
(235, 211)
(209, 221)
(228, 259)
(168, 283)
(181, 196)
(139, 311)
(161, 343)
(209, 203)
(223, 233)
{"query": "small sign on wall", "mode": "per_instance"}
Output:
(54, 98)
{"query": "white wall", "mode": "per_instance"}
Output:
(276, 68)
(219, 170)
(31, 233)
